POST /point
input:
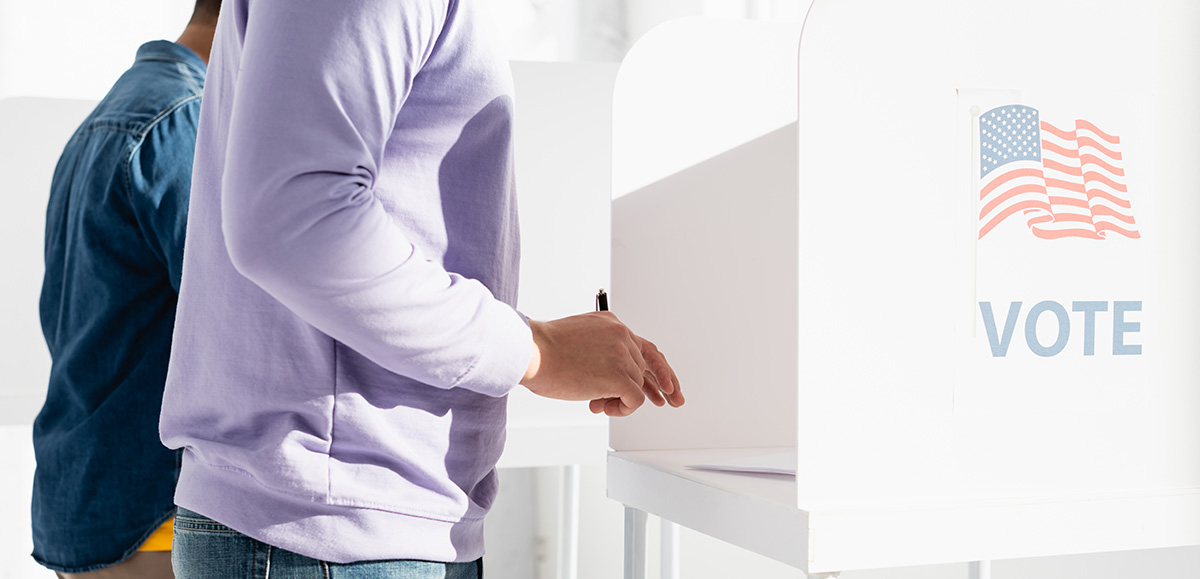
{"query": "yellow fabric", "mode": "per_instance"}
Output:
(160, 539)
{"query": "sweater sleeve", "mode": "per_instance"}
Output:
(319, 89)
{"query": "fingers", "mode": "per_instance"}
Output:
(631, 400)
(595, 357)
(613, 407)
(617, 408)
(652, 389)
(657, 364)
(665, 379)
(675, 396)
(635, 354)
(624, 406)
(652, 377)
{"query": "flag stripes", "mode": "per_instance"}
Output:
(1066, 183)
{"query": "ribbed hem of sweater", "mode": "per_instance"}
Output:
(317, 529)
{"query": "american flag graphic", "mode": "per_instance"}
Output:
(1066, 183)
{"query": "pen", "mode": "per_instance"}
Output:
(601, 301)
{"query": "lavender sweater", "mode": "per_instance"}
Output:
(345, 334)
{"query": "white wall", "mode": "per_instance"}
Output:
(561, 30)
(641, 16)
(16, 487)
(76, 48)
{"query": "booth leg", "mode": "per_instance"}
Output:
(568, 524)
(979, 570)
(635, 543)
(670, 549)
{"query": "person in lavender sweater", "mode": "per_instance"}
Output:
(345, 334)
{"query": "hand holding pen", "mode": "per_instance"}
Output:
(597, 358)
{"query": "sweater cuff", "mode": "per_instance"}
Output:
(505, 355)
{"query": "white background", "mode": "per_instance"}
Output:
(75, 49)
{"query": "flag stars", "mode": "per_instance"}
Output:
(1006, 135)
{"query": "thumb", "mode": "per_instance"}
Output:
(631, 399)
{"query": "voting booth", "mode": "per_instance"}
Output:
(936, 259)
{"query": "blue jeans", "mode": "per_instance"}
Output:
(206, 549)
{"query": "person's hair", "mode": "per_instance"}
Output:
(206, 11)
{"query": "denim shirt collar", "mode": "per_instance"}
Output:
(173, 51)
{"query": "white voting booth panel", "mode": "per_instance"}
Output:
(971, 357)
(689, 112)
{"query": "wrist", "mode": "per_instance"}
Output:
(535, 357)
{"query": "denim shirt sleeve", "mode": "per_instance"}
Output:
(158, 175)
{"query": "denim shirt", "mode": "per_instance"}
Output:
(114, 249)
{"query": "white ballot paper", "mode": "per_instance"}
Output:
(774, 463)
